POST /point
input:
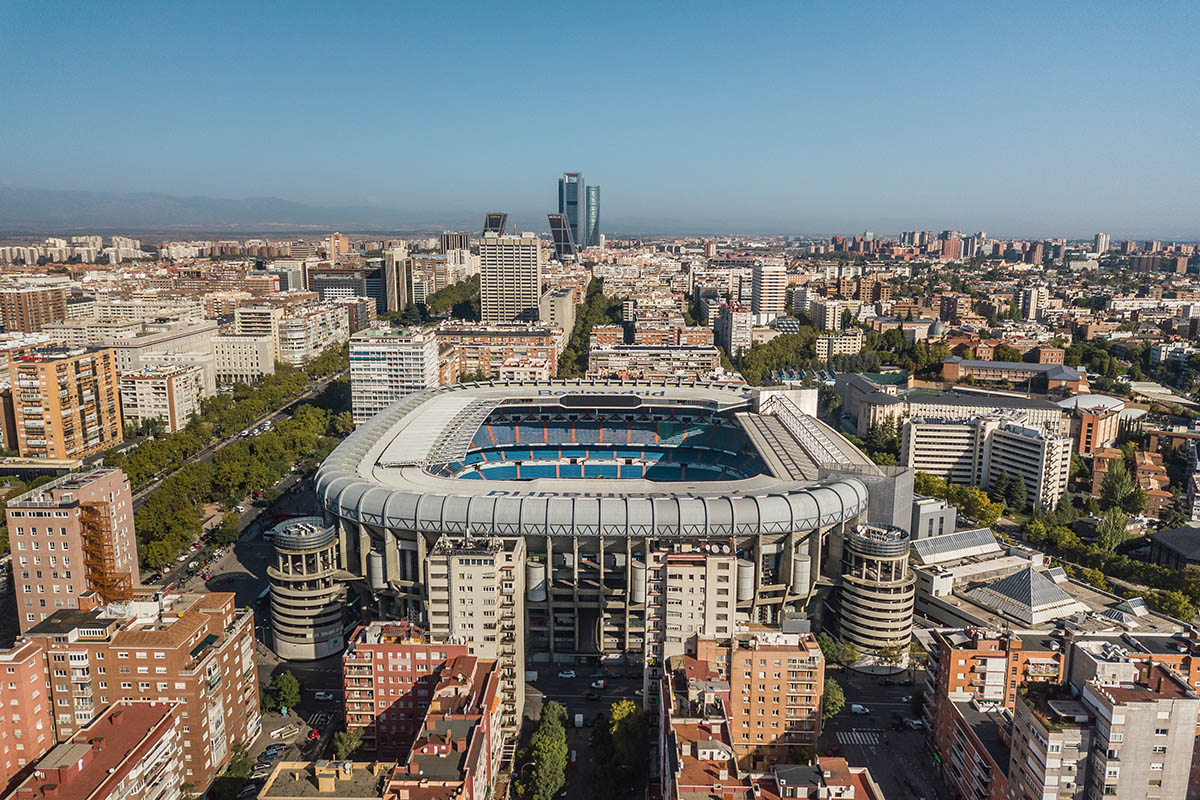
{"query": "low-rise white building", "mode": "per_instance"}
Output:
(243, 358)
(171, 394)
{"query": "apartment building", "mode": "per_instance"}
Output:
(138, 344)
(476, 597)
(845, 344)
(196, 650)
(1144, 734)
(635, 362)
(306, 333)
(26, 724)
(66, 402)
(733, 328)
(171, 395)
(70, 537)
(1041, 459)
(989, 666)
(32, 308)
(130, 752)
(261, 319)
(510, 287)
(456, 752)
(1051, 742)
(557, 309)
(387, 364)
(697, 756)
(389, 670)
(481, 349)
(688, 595)
(673, 336)
(776, 682)
(243, 358)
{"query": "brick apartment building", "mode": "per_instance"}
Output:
(66, 401)
(72, 536)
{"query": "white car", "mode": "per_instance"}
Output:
(566, 673)
(323, 696)
(855, 708)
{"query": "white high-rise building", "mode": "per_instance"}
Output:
(386, 365)
(1033, 302)
(510, 285)
(769, 289)
(1101, 243)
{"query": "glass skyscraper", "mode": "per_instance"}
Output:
(571, 200)
(592, 217)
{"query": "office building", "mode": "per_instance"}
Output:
(193, 649)
(132, 751)
(66, 402)
(168, 394)
(243, 358)
(979, 450)
(1101, 243)
(339, 283)
(69, 537)
(387, 364)
(455, 240)
(477, 598)
(593, 217)
(873, 401)
(398, 279)
(510, 278)
(307, 603)
(769, 289)
(26, 715)
(1028, 377)
(565, 247)
(495, 222)
(31, 308)
(572, 199)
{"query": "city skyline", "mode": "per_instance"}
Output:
(815, 121)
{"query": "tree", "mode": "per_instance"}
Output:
(287, 689)
(548, 754)
(346, 743)
(849, 653)
(917, 656)
(1173, 603)
(1004, 352)
(1110, 532)
(829, 648)
(630, 733)
(343, 424)
(1016, 496)
(1135, 502)
(833, 699)
(1116, 486)
(891, 655)
(1095, 577)
(1002, 486)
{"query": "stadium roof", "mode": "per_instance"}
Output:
(377, 476)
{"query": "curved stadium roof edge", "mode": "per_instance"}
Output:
(353, 485)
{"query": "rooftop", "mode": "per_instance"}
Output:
(988, 725)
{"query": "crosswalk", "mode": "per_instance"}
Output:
(868, 737)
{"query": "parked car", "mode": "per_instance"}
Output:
(855, 708)
(600, 684)
(566, 673)
(915, 724)
(323, 696)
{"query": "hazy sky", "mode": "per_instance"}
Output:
(1017, 118)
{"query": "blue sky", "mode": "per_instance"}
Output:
(1017, 118)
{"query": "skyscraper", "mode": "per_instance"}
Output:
(769, 286)
(510, 284)
(593, 217)
(1101, 243)
(572, 198)
(564, 242)
(495, 222)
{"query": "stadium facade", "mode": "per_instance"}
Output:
(597, 479)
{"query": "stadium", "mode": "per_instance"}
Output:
(598, 480)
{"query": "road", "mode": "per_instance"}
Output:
(900, 760)
(207, 453)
